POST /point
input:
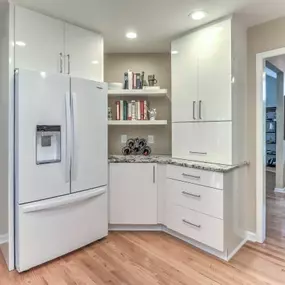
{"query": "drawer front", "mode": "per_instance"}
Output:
(200, 227)
(197, 176)
(196, 197)
(51, 228)
(206, 142)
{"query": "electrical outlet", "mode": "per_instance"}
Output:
(124, 138)
(150, 139)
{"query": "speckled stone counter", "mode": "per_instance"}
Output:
(164, 159)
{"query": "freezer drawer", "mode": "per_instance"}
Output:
(48, 229)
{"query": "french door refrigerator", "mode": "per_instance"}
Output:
(60, 165)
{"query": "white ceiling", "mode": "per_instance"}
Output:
(156, 22)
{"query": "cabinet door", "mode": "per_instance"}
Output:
(84, 53)
(133, 194)
(214, 76)
(208, 142)
(39, 40)
(184, 79)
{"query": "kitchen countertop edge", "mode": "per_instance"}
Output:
(164, 159)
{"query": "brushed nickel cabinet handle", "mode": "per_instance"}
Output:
(194, 110)
(60, 62)
(191, 224)
(153, 174)
(68, 64)
(191, 176)
(200, 109)
(197, 152)
(191, 194)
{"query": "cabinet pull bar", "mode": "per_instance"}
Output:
(197, 152)
(153, 174)
(60, 63)
(68, 64)
(200, 109)
(191, 176)
(191, 224)
(191, 194)
(194, 108)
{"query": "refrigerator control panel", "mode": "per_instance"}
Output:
(48, 144)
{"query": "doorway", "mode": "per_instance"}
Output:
(270, 192)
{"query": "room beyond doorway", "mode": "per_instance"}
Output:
(270, 133)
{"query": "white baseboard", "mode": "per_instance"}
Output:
(243, 242)
(132, 228)
(3, 239)
(279, 190)
(250, 236)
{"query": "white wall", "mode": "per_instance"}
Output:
(4, 92)
(6, 132)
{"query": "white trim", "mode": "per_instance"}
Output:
(260, 143)
(3, 239)
(250, 236)
(279, 190)
(143, 228)
(230, 256)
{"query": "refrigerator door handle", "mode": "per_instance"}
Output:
(74, 164)
(63, 201)
(68, 137)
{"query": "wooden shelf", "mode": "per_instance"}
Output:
(137, 123)
(138, 92)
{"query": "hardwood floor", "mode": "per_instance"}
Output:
(126, 258)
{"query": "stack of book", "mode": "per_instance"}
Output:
(131, 110)
(133, 80)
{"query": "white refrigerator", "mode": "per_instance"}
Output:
(61, 165)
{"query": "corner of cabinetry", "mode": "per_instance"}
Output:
(234, 212)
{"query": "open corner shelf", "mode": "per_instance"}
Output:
(138, 92)
(137, 123)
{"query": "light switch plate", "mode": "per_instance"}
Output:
(150, 139)
(124, 138)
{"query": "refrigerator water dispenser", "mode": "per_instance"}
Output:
(48, 144)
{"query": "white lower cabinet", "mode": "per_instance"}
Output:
(196, 197)
(195, 225)
(201, 207)
(133, 194)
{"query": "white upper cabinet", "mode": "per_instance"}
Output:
(46, 44)
(214, 72)
(201, 75)
(39, 41)
(84, 53)
(184, 79)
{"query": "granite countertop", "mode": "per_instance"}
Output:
(166, 159)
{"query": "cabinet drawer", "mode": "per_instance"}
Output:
(200, 227)
(197, 176)
(205, 141)
(199, 198)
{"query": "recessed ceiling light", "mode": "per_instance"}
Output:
(131, 35)
(95, 62)
(198, 15)
(21, 44)
(174, 52)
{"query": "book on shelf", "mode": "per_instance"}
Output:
(132, 80)
(131, 110)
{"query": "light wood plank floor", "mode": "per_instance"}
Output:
(156, 258)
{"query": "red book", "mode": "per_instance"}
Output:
(118, 110)
(142, 109)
